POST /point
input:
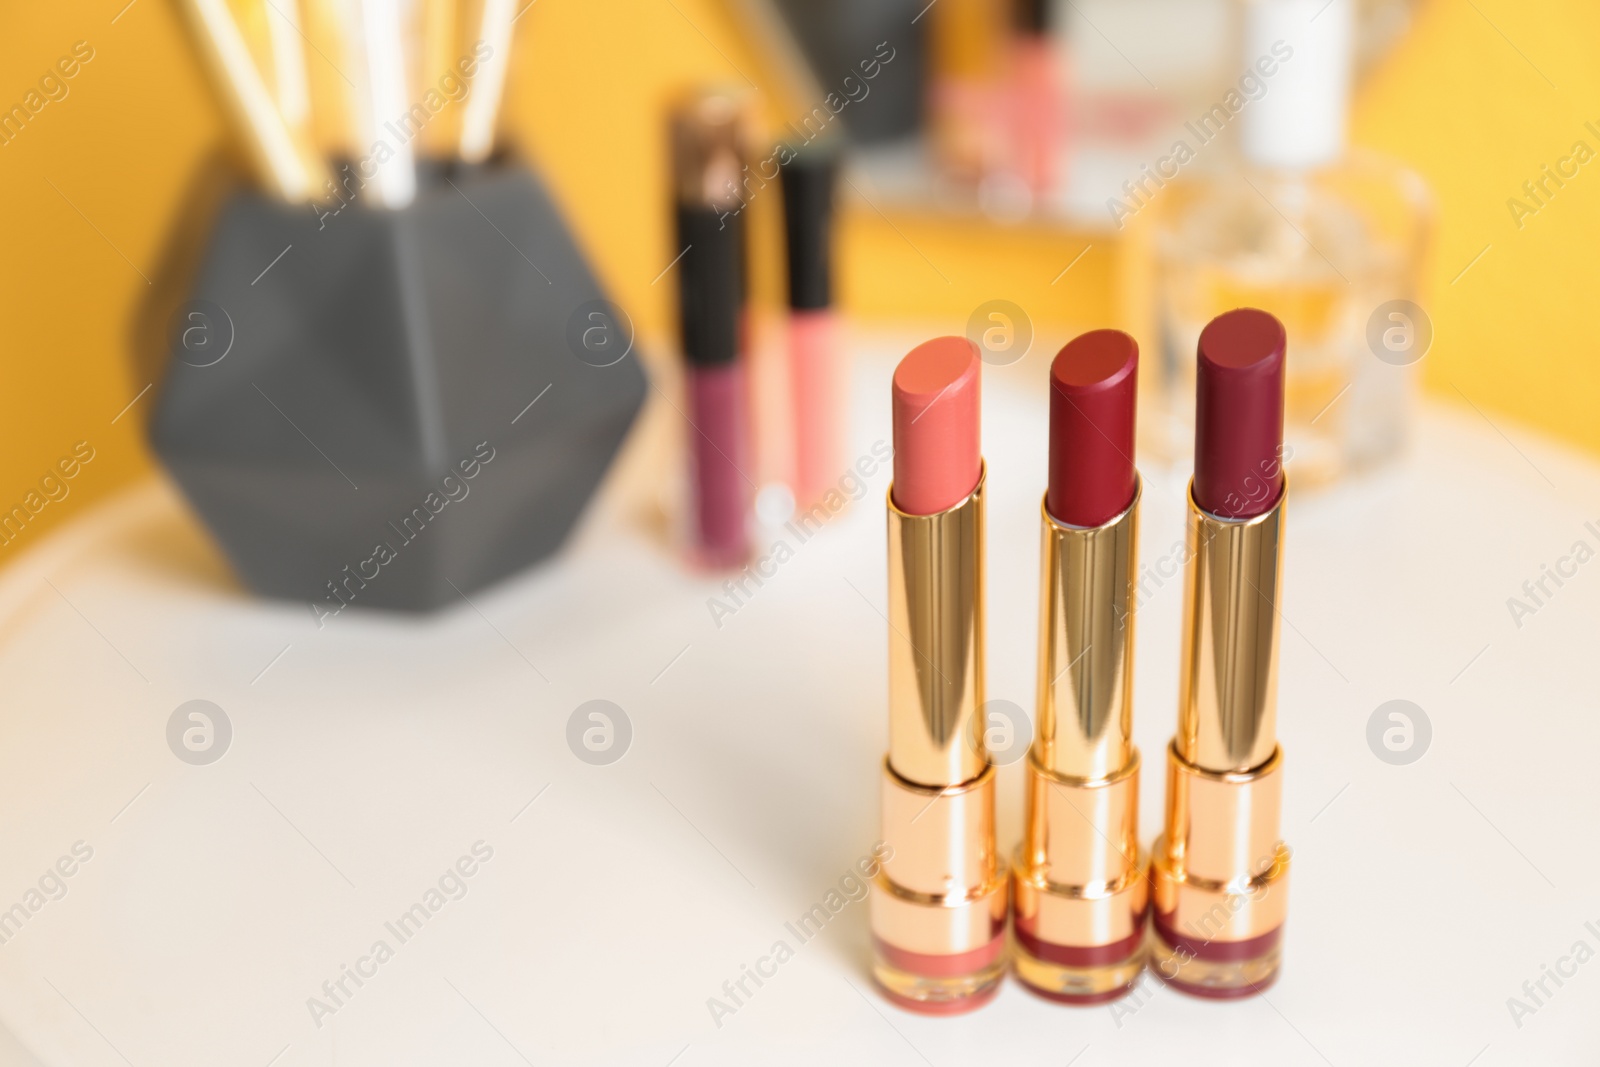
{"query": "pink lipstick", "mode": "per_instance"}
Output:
(938, 905)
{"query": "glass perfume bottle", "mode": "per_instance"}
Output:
(1328, 240)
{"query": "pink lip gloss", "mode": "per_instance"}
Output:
(815, 370)
(708, 160)
(1036, 104)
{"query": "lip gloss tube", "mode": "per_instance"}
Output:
(814, 370)
(938, 906)
(1035, 98)
(708, 151)
(1220, 873)
(1079, 890)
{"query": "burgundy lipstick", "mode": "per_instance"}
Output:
(1238, 423)
(1219, 874)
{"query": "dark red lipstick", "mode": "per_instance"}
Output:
(1238, 423)
(1093, 386)
(1079, 896)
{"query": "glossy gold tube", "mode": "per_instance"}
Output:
(1220, 874)
(938, 905)
(1079, 891)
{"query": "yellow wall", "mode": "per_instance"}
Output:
(1466, 101)
(95, 183)
(88, 189)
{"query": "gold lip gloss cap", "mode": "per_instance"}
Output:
(709, 133)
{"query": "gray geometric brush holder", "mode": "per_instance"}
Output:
(380, 408)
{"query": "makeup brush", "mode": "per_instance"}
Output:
(383, 39)
(493, 29)
(290, 84)
(284, 164)
(251, 18)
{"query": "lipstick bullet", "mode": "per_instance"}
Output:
(1219, 875)
(938, 905)
(1079, 891)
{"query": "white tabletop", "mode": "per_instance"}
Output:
(369, 756)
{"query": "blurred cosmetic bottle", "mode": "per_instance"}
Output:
(708, 140)
(816, 373)
(1328, 240)
(966, 60)
(1037, 99)
(1135, 69)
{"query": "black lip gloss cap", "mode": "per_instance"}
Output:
(1031, 17)
(808, 181)
(710, 283)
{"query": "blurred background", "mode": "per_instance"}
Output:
(1475, 98)
(1403, 182)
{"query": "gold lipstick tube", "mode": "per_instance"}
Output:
(1079, 891)
(938, 906)
(1219, 876)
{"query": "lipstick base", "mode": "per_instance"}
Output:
(939, 984)
(1084, 986)
(1219, 880)
(1079, 891)
(1180, 966)
(938, 905)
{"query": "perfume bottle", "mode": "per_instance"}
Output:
(1327, 240)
